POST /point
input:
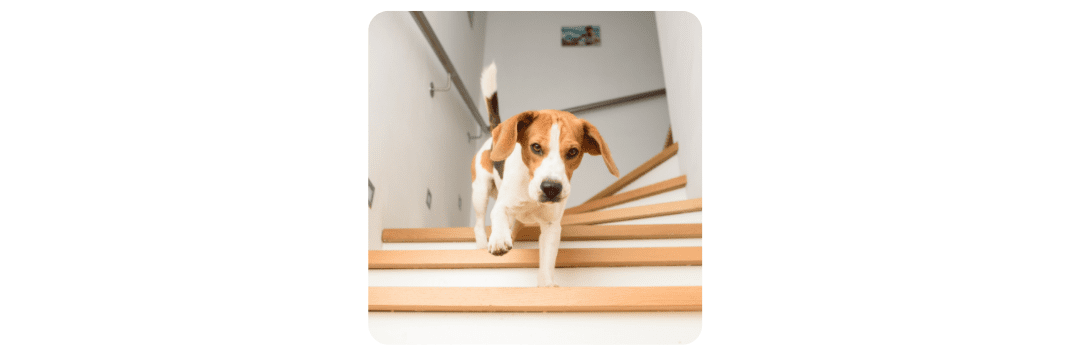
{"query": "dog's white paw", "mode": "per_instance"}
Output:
(499, 244)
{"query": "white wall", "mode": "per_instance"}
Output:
(465, 47)
(679, 43)
(417, 142)
(536, 72)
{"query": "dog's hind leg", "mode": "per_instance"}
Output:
(480, 207)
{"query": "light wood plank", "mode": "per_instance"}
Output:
(631, 213)
(530, 258)
(667, 153)
(636, 194)
(452, 234)
(569, 233)
(532, 299)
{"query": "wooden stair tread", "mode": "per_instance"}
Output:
(636, 194)
(533, 299)
(529, 258)
(631, 213)
(622, 182)
(569, 233)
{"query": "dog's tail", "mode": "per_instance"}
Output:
(488, 89)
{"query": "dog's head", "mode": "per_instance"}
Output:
(552, 145)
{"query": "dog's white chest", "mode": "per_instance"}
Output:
(532, 213)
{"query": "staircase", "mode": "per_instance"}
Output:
(628, 267)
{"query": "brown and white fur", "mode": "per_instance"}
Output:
(527, 166)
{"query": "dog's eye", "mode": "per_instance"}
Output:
(536, 148)
(572, 153)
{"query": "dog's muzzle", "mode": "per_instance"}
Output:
(551, 191)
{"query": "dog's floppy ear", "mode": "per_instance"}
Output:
(593, 144)
(506, 134)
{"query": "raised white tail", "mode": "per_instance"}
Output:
(491, 100)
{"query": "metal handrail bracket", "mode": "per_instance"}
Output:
(426, 29)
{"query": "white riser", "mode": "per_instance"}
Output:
(681, 218)
(395, 246)
(667, 170)
(527, 277)
(535, 328)
(671, 196)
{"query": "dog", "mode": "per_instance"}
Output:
(527, 166)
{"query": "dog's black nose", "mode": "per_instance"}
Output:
(551, 189)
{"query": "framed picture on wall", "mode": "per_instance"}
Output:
(583, 35)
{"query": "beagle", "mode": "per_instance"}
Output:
(527, 166)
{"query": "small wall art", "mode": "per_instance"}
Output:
(583, 35)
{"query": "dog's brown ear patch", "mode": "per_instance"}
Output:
(594, 144)
(506, 134)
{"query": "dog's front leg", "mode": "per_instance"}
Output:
(549, 250)
(499, 243)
